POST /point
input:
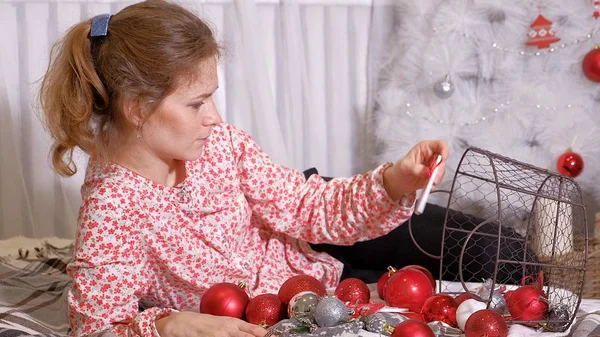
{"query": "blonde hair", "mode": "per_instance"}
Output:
(149, 48)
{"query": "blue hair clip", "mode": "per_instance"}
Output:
(100, 25)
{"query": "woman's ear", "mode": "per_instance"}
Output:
(132, 111)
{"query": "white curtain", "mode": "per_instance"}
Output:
(294, 77)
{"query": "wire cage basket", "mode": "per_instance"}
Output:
(511, 225)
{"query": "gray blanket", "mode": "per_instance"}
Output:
(34, 286)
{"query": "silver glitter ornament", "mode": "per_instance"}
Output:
(303, 305)
(330, 311)
(444, 88)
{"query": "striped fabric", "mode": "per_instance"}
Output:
(33, 300)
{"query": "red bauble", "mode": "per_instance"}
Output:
(265, 309)
(353, 291)
(591, 65)
(297, 284)
(414, 315)
(463, 297)
(408, 288)
(424, 271)
(486, 322)
(224, 299)
(570, 164)
(383, 280)
(413, 328)
(440, 308)
(528, 303)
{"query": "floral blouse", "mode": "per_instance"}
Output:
(236, 217)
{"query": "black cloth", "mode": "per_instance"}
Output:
(369, 260)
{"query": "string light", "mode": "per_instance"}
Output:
(409, 112)
(523, 52)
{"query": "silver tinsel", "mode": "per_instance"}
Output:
(380, 322)
(444, 88)
(330, 311)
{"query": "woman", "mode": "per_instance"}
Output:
(175, 200)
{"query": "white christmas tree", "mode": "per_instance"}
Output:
(506, 76)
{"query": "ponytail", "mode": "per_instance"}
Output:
(69, 92)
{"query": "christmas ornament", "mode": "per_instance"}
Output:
(303, 305)
(297, 284)
(466, 309)
(225, 299)
(596, 9)
(408, 288)
(440, 308)
(497, 302)
(265, 310)
(486, 322)
(463, 297)
(591, 64)
(444, 88)
(414, 315)
(330, 311)
(541, 34)
(413, 328)
(570, 164)
(353, 290)
(527, 303)
(423, 270)
(558, 318)
(384, 278)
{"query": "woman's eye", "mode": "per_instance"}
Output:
(197, 105)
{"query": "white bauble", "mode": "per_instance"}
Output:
(466, 309)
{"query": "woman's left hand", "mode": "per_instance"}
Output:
(409, 174)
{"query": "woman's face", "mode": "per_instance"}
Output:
(178, 130)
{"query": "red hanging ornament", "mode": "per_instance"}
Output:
(596, 9)
(424, 271)
(541, 33)
(570, 164)
(265, 310)
(384, 278)
(440, 308)
(408, 288)
(297, 284)
(591, 64)
(486, 322)
(353, 290)
(225, 299)
(413, 328)
(528, 302)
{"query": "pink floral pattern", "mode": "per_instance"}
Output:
(236, 217)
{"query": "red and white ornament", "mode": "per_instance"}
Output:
(596, 9)
(541, 33)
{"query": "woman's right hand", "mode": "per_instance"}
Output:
(191, 324)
